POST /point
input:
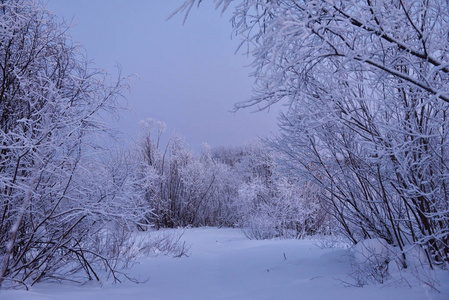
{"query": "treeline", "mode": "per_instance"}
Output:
(225, 186)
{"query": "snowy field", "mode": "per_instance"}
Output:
(224, 264)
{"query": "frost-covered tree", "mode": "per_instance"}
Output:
(272, 203)
(405, 40)
(182, 188)
(367, 86)
(56, 195)
(225, 186)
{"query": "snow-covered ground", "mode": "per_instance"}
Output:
(224, 264)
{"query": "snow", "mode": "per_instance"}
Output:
(224, 264)
(371, 250)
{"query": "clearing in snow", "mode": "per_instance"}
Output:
(224, 264)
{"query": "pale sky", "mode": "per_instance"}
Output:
(188, 76)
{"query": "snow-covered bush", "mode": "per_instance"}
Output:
(375, 261)
(163, 243)
(283, 210)
(273, 204)
(371, 261)
(56, 190)
(226, 186)
(183, 188)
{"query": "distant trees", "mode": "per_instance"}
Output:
(367, 83)
(183, 188)
(56, 193)
(225, 186)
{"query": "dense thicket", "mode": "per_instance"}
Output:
(225, 186)
(367, 83)
(56, 195)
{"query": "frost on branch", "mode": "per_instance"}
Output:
(56, 192)
(366, 84)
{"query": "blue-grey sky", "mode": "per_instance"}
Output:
(188, 76)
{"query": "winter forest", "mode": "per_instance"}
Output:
(360, 165)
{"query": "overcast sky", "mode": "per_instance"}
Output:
(188, 76)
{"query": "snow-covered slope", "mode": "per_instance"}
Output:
(224, 264)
